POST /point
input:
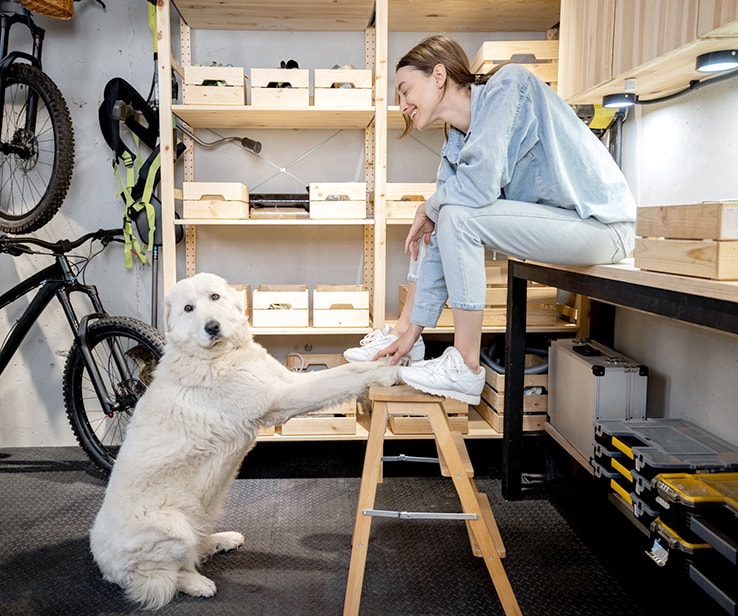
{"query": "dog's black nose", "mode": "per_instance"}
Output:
(212, 328)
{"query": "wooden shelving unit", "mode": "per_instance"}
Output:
(376, 19)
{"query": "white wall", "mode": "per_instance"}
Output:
(685, 151)
(80, 55)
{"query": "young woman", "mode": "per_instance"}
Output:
(520, 174)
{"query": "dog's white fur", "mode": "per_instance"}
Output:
(211, 391)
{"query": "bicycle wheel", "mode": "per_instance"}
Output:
(36, 162)
(141, 346)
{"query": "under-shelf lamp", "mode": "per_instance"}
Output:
(620, 100)
(716, 61)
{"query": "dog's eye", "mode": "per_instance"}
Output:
(214, 297)
(189, 308)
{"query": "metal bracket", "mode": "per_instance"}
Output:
(403, 458)
(419, 515)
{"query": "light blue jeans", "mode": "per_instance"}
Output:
(452, 267)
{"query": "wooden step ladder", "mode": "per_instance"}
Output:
(453, 457)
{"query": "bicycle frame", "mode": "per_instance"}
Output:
(57, 280)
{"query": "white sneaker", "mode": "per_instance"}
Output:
(447, 375)
(380, 339)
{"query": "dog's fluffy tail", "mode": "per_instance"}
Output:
(152, 590)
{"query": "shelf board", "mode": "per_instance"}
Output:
(353, 15)
(246, 116)
(306, 331)
(316, 15)
(465, 16)
(478, 429)
(272, 222)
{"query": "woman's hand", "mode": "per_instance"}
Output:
(400, 347)
(420, 231)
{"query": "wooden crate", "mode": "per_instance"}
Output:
(537, 403)
(214, 85)
(714, 259)
(341, 87)
(540, 57)
(403, 198)
(297, 95)
(280, 306)
(532, 422)
(337, 419)
(496, 379)
(206, 200)
(495, 316)
(408, 417)
(342, 305)
(338, 200)
(701, 221)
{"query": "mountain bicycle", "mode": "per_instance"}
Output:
(36, 135)
(111, 362)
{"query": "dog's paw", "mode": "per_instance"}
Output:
(384, 375)
(196, 585)
(226, 541)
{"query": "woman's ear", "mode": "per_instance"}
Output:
(439, 75)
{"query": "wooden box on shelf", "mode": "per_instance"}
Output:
(338, 200)
(280, 87)
(337, 419)
(341, 87)
(540, 57)
(535, 405)
(538, 313)
(340, 305)
(227, 200)
(214, 85)
(403, 198)
(409, 418)
(698, 240)
(277, 305)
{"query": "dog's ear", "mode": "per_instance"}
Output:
(168, 312)
(238, 298)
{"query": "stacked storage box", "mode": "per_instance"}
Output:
(630, 454)
(700, 519)
(542, 307)
(693, 240)
(535, 381)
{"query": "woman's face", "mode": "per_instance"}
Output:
(419, 95)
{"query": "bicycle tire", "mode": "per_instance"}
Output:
(100, 436)
(35, 169)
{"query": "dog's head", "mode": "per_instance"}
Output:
(204, 311)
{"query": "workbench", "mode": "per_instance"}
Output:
(703, 302)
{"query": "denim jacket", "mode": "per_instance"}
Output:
(526, 144)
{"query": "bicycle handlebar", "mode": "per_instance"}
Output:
(17, 245)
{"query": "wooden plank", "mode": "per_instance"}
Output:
(625, 271)
(315, 15)
(245, 117)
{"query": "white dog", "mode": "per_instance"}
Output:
(211, 391)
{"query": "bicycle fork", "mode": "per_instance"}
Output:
(110, 403)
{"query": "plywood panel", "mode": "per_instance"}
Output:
(585, 45)
(647, 29)
(717, 18)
